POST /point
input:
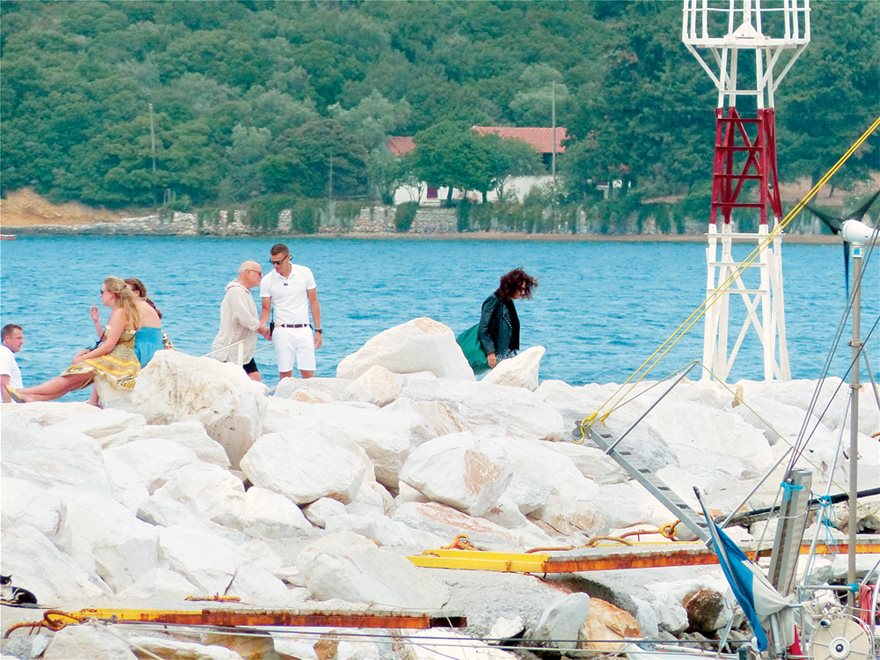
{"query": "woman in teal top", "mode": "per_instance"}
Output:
(149, 337)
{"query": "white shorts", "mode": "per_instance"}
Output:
(294, 345)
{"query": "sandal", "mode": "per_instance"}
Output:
(13, 394)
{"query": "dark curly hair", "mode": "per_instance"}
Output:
(516, 281)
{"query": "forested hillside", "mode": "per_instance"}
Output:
(204, 103)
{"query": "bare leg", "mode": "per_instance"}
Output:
(306, 374)
(55, 387)
(255, 375)
(284, 374)
(93, 399)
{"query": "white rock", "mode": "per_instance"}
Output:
(106, 538)
(627, 504)
(352, 568)
(48, 459)
(165, 647)
(439, 418)
(41, 568)
(507, 629)
(271, 515)
(447, 523)
(446, 644)
(177, 387)
(385, 532)
(492, 410)
(373, 499)
(87, 641)
(256, 585)
(205, 559)
(106, 426)
(561, 622)
(291, 647)
(592, 462)
(312, 390)
(422, 344)
(377, 385)
(453, 470)
(211, 492)
(386, 437)
(158, 585)
(518, 371)
(507, 514)
(190, 435)
(539, 472)
(137, 469)
(305, 468)
(322, 510)
(25, 503)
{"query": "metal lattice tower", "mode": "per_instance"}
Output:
(766, 37)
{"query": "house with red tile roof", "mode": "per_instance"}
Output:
(542, 139)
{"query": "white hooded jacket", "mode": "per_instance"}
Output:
(239, 321)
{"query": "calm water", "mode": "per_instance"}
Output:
(600, 310)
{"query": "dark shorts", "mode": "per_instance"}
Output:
(251, 367)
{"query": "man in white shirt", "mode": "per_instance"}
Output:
(12, 337)
(239, 321)
(290, 293)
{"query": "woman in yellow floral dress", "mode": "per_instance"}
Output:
(113, 360)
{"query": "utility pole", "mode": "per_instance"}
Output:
(153, 137)
(553, 124)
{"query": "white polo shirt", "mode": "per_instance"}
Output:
(289, 298)
(9, 367)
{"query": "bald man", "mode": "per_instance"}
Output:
(239, 321)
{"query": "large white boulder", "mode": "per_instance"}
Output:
(447, 523)
(491, 410)
(207, 490)
(46, 458)
(422, 344)
(105, 538)
(137, 469)
(387, 436)
(351, 568)
(87, 641)
(519, 371)
(190, 435)
(205, 559)
(23, 502)
(306, 467)
(40, 567)
(377, 385)
(178, 387)
(561, 622)
(267, 514)
(454, 470)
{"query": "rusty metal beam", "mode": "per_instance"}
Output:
(602, 558)
(247, 617)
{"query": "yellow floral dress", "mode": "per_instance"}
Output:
(119, 367)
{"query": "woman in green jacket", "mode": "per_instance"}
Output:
(499, 323)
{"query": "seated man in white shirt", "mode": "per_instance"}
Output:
(291, 290)
(12, 337)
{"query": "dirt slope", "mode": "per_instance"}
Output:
(25, 208)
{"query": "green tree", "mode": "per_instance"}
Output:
(450, 154)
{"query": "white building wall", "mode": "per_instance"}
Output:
(516, 188)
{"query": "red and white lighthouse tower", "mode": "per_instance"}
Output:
(730, 38)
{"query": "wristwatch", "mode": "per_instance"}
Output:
(319, 331)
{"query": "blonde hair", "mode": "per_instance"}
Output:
(127, 298)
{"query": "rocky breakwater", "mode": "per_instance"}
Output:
(201, 483)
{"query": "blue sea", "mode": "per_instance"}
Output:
(601, 308)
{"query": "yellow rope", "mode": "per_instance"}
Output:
(645, 368)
